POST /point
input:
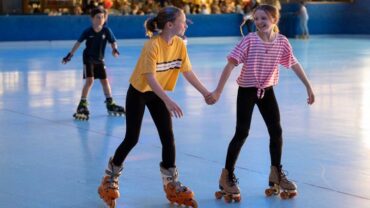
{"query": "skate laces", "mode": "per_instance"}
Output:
(283, 175)
(233, 180)
(114, 172)
(180, 187)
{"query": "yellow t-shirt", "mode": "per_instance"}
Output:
(163, 60)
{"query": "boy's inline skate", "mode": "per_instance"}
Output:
(279, 184)
(109, 188)
(175, 191)
(82, 112)
(113, 109)
(229, 189)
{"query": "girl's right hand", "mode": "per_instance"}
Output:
(213, 98)
(174, 109)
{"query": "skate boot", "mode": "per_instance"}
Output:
(279, 184)
(109, 189)
(229, 189)
(113, 109)
(82, 112)
(175, 191)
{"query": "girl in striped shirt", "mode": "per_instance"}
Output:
(260, 53)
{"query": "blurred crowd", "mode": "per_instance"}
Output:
(144, 7)
(147, 7)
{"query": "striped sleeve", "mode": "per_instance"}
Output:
(287, 59)
(239, 53)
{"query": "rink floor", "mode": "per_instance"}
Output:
(47, 159)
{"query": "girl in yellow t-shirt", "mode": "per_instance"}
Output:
(162, 59)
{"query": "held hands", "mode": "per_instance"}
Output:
(67, 58)
(115, 52)
(212, 98)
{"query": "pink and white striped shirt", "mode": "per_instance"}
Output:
(261, 61)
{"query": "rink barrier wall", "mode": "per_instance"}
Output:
(338, 18)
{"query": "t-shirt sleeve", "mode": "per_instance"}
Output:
(185, 65)
(288, 59)
(110, 36)
(239, 53)
(83, 36)
(150, 54)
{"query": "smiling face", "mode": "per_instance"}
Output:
(264, 21)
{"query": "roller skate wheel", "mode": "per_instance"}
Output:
(113, 204)
(269, 192)
(194, 204)
(228, 199)
(188, 203)
(293, 194)
(237, 199)
(218, 195)
(284, 195)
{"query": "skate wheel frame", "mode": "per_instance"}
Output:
(228, 197)
(81, 116)
(288, 194)
(181, 198)
(284, 194)
(188, 203)
(108, 195)
(113, 113)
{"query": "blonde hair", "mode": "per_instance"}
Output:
(272, 12)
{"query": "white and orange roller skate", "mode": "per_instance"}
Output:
(109, 188)
(279, 184)
(175, 191)
(229, 188)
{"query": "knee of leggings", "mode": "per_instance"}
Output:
(241, 133)
(130, 143)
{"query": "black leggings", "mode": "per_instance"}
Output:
(247, 98)
(135, 107)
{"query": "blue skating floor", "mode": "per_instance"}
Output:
(47, 159)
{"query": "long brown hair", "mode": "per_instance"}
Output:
(156, 23)
(271, 11)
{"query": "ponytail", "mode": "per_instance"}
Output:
(151, 26)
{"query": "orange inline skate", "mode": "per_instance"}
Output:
(175, 191)
(109, 188)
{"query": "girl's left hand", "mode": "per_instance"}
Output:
(311, 97)
(115, 53)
